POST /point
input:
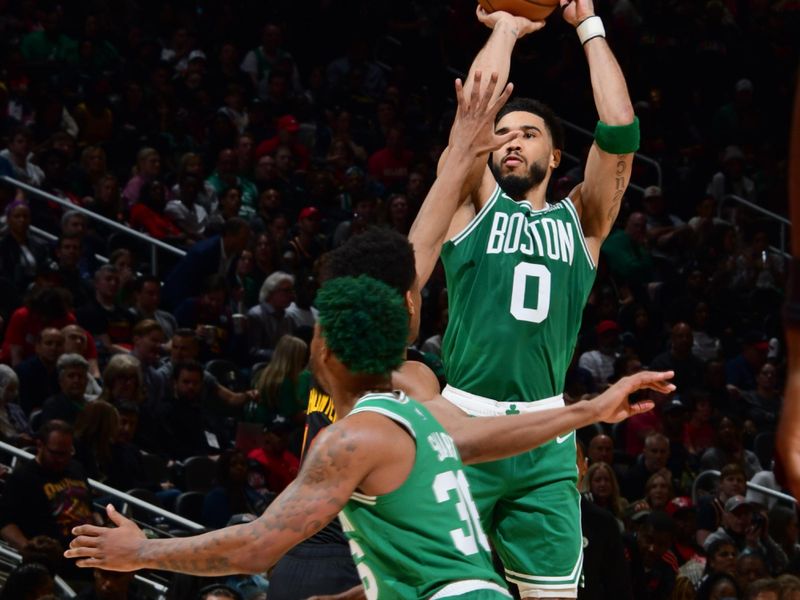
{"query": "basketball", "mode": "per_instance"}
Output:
(535, 10)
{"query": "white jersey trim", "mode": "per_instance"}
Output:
(571, 208)
(526, 591)
(459, 237)
(546, 208)
(458, 588)
(364, 498)
(565, 580)
(396, 396)
(386, 413)
(480, 406)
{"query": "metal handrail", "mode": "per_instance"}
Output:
(638, 155)
(782, 221)
(151, 241)
(64, 586)
(158, 587)
(17, 557)
(53, 238)
(753, 206)
(102, 487)
(750, 486)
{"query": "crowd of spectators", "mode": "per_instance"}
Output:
(256, 136)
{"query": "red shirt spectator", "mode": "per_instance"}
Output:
(153, 223)
(391, 164)
(23, 327)
(636, 430)
(287, 130)
(281, 467)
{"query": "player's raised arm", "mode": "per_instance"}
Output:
(608, 168)
(472, 136)
(492, 438)
(494, 57)
(339, 460)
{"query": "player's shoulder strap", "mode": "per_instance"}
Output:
(485, 189)
(395, 406)
(567, 204)
(486, 206)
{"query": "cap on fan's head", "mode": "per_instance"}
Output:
(757, 339)
(674, 405)
(197, 55)
(735, 502)
(309, 212)
(679, 505)
(288, 123)
(278, 424)
(652, 191)
(606, 326)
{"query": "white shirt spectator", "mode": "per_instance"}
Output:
(433, 345)
(192, 221)
(302, 317)
(599, 364)
(30, 173)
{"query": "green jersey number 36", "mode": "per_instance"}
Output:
(469, 538)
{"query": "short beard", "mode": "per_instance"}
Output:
(517, 186)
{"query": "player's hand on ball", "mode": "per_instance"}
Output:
(521, 25)
(613, 405)
(473, 128)
(112, 549)
(576, 11)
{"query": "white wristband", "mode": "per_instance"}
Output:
(589, 28)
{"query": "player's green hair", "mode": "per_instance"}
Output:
(364, 323)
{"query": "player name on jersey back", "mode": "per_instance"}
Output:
(532, 234)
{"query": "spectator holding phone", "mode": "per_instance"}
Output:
(745, 525)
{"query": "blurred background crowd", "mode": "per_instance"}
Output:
(249, 138)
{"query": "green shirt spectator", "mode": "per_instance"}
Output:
(39, 47)
(626, 252)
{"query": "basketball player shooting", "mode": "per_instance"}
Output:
(519, 271)
(369, 466)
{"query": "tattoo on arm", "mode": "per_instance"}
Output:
(322, 488)
(619, 189)
(197, 555)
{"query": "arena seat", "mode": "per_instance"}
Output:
(190, 505)
(138, 513)
(198, 473)
(155, 468)
(226, 372)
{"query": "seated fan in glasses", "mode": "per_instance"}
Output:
(49, 495)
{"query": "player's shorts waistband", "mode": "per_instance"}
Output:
(464, 586)
(479, 406)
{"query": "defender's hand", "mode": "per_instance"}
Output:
(613, 405)
(106, 548)
(473, 128)
(520, 25)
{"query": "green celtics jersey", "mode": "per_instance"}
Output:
(424, 539)
(517, 282)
